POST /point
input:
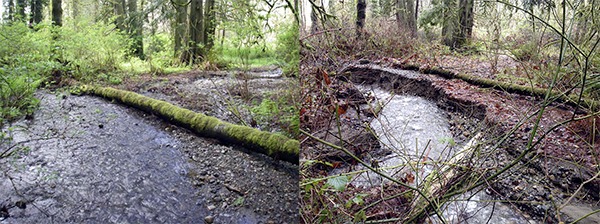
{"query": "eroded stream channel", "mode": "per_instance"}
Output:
(418, 134)
(83, 159)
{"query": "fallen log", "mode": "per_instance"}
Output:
(275, 145)
(571, 99)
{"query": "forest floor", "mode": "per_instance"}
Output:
(175, 175)
(555, 183)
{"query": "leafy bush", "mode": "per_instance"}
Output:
(28, 57)
(16, 93)
(91, 49)
(288, 49)
(24, 62)
(279, 113)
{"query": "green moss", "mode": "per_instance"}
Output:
(275, 145)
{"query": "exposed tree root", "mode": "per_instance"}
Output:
(274, 145)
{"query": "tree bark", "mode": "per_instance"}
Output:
(449, 23)
(274, 145)
(410, 17)
(465, 21)
(74, 9)
(36, 12)
(196, 22)
(135, 29)
(405, 16)
(361, 10)
(57, 12)
(119, 10)
(21, 10)
(180, 26)
(210, 25)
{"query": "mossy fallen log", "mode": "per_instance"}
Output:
(275, 145)
(570, 99)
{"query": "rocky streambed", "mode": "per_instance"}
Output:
(85, 159)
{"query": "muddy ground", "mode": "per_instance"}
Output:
(87, 159)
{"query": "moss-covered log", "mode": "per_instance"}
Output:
(571, 99)
(275, 145)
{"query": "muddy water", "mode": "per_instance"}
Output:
(417, 131)
(111, 167)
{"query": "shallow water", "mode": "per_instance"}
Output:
(417, 131)
(414, 129)
(91, 161)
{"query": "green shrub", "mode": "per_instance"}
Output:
(91, 49)
(278, 113)
(17, 87)
(288, 49)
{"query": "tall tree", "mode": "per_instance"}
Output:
(134, 28)
(36, 11)
(11, 10)
(179, 27)
(361, 10)
(465, 23)
(449, 22)
(196, 34)
(406, 17)
(210, 25)
(119, 12)
(21, 10)
(57, 12)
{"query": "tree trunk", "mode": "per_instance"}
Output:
(465, 21)
(361, 10)
(405, 16)
(21, 10)
(36, 12)
(74, 9)
(11, 10)
(410, 18)
(210, 25)
(57, 12)
(449, 23)
(195, 29)
(119, 10)
(417, 10)
(135, 29)
(180, 26)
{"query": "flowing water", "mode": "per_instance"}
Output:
(418, 133)
(111, 167)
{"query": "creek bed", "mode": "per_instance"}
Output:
(418, 133)
(84, 159)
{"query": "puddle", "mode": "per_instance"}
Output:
(87, 160)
